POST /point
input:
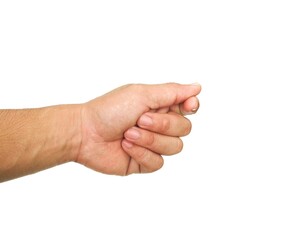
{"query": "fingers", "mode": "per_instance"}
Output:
(190, 106)
(171, 124)
(142, 159)
(165, 95)
(161, 144)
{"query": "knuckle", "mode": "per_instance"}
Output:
(152, 164)
(160, 163)
(188, 128)
(165, 126)
(150, 139)
(141, 154)
(127, 86)
(132, 87)
(137, 89)
(135, 86)
(179, 146)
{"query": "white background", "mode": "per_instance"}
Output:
(232, 179)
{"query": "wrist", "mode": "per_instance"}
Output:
(67, 120)
(61, 126)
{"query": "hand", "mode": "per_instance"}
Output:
(106, 119)
(162, 137)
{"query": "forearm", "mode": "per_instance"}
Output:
(36, 139)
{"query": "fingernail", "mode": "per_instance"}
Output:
(187, 113)
(145, 120)
(132, 134)
(127, 144)
(195, 105)
(196, 84)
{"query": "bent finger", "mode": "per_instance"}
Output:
(161, 144)
(148, 161)
(170, 124)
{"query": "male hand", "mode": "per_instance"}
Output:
(127, 130)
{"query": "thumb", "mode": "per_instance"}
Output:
(168, 94)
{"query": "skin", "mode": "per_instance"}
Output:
(122, 132)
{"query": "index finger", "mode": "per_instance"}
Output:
(169, 124)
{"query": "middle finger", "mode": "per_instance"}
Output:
(170, 124)
(161, 144)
